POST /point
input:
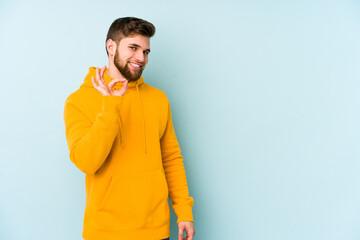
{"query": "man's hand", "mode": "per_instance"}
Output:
(189, 228)
(105, 89)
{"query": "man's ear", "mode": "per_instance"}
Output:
(111, 47)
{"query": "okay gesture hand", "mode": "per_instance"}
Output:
(106, 89)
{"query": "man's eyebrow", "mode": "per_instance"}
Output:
(136, 45)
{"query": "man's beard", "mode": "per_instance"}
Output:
(125, 70)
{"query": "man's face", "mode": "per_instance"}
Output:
(131, 56)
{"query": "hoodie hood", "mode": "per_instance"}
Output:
(131, 85)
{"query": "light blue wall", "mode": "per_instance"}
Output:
(264, 95)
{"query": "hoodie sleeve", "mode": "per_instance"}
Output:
(175, 173)
(90, 142)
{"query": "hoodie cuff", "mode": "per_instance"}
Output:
(112, 104)
(184, 214)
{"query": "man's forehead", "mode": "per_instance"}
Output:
(138, 40)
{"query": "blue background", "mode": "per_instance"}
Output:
(264, 96)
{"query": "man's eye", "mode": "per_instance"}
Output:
(133, 48)
(146, 52)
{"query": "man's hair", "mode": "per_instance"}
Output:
(127, 26)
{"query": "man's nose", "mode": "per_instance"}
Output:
(140, 56)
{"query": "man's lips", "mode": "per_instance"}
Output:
(135, 66)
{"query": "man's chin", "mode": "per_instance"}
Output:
(133, 79)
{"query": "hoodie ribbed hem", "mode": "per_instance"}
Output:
(153, 233)
(184, 213)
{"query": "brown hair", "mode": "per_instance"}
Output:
(126, 26)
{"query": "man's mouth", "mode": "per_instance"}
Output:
(135, 66)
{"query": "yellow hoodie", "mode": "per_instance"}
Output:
(127, 147)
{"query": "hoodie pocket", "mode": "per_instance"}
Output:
(135, 201)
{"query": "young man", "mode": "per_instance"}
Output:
(120, 133)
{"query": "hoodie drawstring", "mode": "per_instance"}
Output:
(143, 116)
(121, 133)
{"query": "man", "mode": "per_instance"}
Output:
(120, 133)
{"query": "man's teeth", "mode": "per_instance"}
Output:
(135, 65)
